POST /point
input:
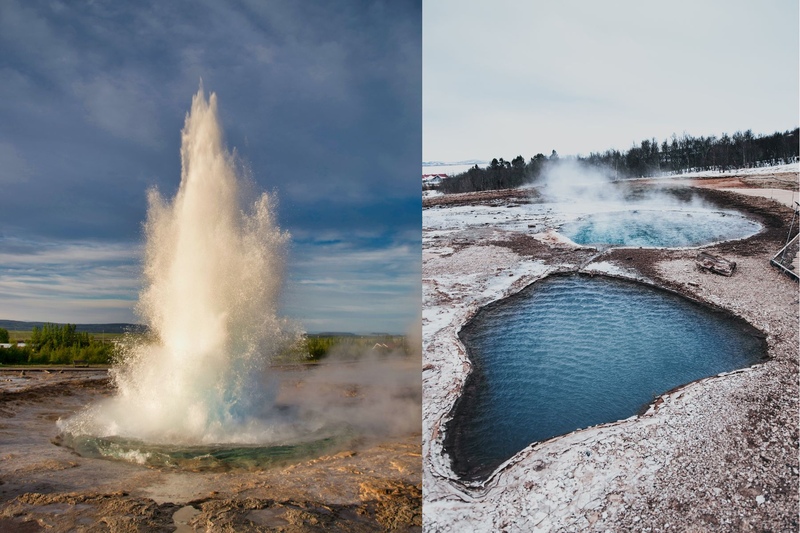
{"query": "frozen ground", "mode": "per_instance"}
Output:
(791, 168)
(719, 454)
(787, 198)
(779, 183)
(451, 169)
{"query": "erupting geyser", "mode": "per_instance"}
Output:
(212, 277)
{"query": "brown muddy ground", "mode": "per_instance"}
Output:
(498, 197)
(780, 180)
(44, 487)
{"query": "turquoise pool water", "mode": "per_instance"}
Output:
(218, 457)
(659, 228)
(573, 351)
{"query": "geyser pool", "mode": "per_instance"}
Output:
(653, 228)
(204, 457)
(572, 351)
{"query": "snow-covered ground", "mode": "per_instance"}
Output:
(757, 171)
(787, 198)
(676, 466)
(451, 169)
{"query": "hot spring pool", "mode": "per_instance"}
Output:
(571, 352)
(659, 228)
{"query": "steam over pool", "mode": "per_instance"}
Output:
(212, 278)
(651, 228)
(573, 351)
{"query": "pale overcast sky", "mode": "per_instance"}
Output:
(509, 78)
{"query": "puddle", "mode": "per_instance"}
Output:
(182, 517)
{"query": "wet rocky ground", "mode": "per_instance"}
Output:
(719, 454)
(371, 485)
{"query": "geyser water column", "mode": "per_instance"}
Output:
(212, 278)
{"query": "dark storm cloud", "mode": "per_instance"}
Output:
(321, 100)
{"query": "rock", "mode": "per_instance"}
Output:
(715, 263)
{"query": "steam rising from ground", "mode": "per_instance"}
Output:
(378, 395)
(568, 181)
(377, 392)
(623, 213)
(212, 279)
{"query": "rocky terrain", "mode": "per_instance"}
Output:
(372, 485)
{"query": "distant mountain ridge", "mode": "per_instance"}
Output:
(453, 163)
(121, 327)
(118, 327)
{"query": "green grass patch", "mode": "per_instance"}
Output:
(312, 348)
(101, 348)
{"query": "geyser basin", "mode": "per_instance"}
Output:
(659, 228)
(208, 457)
(571, 352)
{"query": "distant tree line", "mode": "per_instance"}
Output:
(673, 156)
(58, 344)
(693, 154)
(500, 174)
(318, 347)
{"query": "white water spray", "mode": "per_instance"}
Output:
(212, 278)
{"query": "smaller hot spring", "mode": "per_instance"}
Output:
(659, 228)
(571, 352)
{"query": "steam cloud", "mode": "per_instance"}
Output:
(568, 181)
(626, 213)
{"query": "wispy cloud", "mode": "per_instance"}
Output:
(345, 282)
(68, 281)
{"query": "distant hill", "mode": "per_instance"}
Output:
(469, 162)
(18, 325)
(88, 328)
(348, 334)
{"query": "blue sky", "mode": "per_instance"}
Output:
(322, 100)
(508, 78)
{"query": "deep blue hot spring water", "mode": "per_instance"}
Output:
(573, 351)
